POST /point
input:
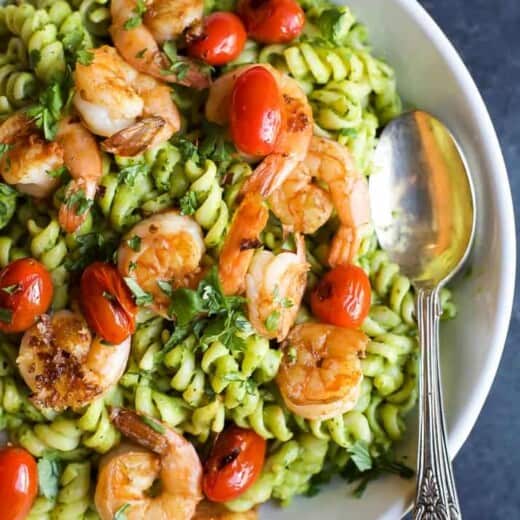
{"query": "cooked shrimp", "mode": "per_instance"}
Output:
(29, 158)
(332, 163)
(303, 206)
(133, 110)
(170, 250)
(293, 140)
(163, 20)
(320, 375)
(83, 160)
(64, 366)
(207, 510)
(241, 241)
(274, 289)
(129, 471)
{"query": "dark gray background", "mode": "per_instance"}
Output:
(487, 34)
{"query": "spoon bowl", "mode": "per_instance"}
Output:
(422, 199)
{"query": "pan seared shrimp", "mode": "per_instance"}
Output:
(133, 110)
(29, 158)
(293, 139)
(170, 249)
(64, 366)
(320, 375)
(274, 289)
(303, 206)
(162, 20)
(127, 472)
(241, 241)
(83, 160)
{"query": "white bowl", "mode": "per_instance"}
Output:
(432, 76)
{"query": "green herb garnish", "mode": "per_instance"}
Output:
(141, 297)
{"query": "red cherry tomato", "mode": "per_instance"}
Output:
(235, 462)
(222, 40)
(342, 297)
(25, 293)
(107, 302)
(272, 21)
(18, 483)
(255, 112)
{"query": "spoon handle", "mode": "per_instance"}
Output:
(436, 496)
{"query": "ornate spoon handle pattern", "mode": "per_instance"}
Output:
(436, 497)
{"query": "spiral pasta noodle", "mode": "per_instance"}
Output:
(73, 498)
(18, 85)
(40, 35)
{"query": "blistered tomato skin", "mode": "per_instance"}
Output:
(18, 483)
(107, 303)
(222, 39)
(25, 293)
(272, 21)
(255, 112)
(342, 297)
(234, 464)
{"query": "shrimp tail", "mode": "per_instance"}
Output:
(192, 76)
(73, 214)
(136, 427)
(16, 127)
(135, 139)
(269, 175)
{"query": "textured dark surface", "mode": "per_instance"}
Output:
(487, 34)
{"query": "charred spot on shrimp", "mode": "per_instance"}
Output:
(297, 120)
(249, 243)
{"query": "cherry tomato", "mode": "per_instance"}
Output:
(256, 112)
(18, 483)
(272, 21)
(107, 302)
(222, 40)
(342, 297)
(235, 462)
(25, 293)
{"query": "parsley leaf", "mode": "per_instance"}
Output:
(49, 470)
(214, 144)
(186, 305)
(136, 20)
(271, 322)
(134, 243)
(188, 203)
(57, 173)
(154, 425)
(187, 149)
(78, 202)
(47, 112)
(91, 247)
(85, 57)
(6, 315)
(129, 174)
(120, 514)
(139, 55)
(11, 289)
(141, 297)
(4, 148)
(360, 456)
(165, 287)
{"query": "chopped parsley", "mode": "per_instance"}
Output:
(120, 514)
(85, 57)
(11, 289)
(109, 296)
(6, 315)
(47, 112)
(188, 203)
(136, 20)
(135, 244)
(132, 266)
(57, 173)
(285, 302)
(49, 471)
(129, 174)
(141, 297)
(91, 247)
(78, 202)
(4, 148)
(154, 425)
(139, 55)
(271, 322)
(165, 287)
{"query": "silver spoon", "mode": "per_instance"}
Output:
(423, 209)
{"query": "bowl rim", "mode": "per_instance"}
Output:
(500, 190)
